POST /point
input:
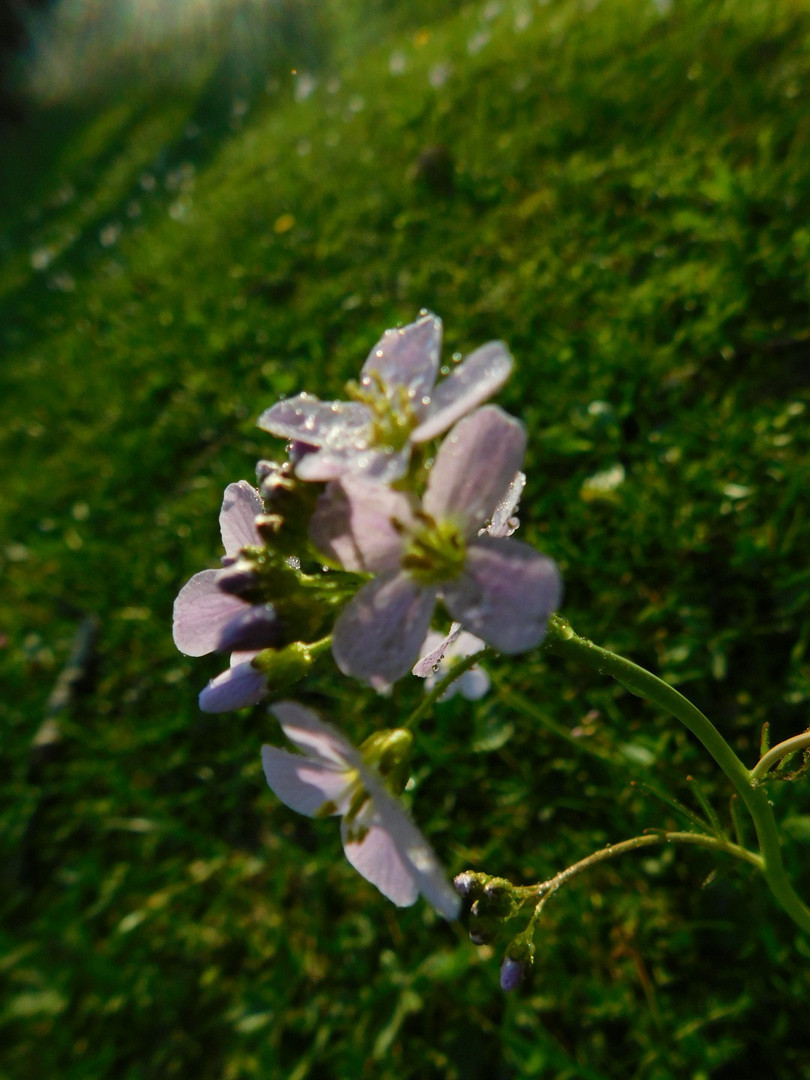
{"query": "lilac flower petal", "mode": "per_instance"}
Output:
(483, 372)
(472, 685)
(239, 686)
(306, 419)
(512, 973)
(377, 636)
(381, 463)
(413, 850)
(407, 357)
(201, 613)
(377, 858)
(436, 647)
(503, 522)
(255, 627)
(314, 736)
(506, 593)
(474, 467)
(237, 518)
(353, 524)
(304, 785)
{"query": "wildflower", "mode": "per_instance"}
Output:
(438, 652)
(330, 777)
(442, 651)
(207, 618)
(395, 403)
(498, 588)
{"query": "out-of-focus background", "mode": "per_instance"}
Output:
(205, 205)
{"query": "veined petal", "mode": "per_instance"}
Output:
(474, 467)
(436, 647)
(376, 857)
(479, 376)
(407, 357)
(306, 419)
(503, 521)
(305, 785)
(353, 523)
(414, 852)
(381, 463)
(201, 613)
(506, 593)
(239, 686)
(317, 739)
(237, 518)
(378, 634)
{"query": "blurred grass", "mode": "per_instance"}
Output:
(623, 196)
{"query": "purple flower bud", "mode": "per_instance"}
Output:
(513, 973)
(466, 884)
(256, 628)
(237, 579)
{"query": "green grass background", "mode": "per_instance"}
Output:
(628, 208)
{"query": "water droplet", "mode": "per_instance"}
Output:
(444, 369)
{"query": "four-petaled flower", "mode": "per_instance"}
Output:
(441, 652)
(396, 403)
(330, 777)
(500, 589)
(206, 618)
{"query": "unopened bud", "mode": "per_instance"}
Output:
(256, 628)
(470, 884)
(517, 960)
(513, 973)
(482, 930)
(238, 579)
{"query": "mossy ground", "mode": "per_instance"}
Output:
(623, 195)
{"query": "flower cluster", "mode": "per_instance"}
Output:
(348, 546)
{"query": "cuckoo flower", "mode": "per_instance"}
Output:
(330, 777)
(395, 403)
(498, 588)
(440, 653)
(207, 618)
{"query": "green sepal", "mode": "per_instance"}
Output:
(389, 754)
(285, 667)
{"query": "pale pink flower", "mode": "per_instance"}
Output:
(331, 778)
(206, 618)
(397, 403)
(498, 588)
(441, 652)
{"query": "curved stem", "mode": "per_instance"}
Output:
(776, 753)
(544, 888)
(562, 641)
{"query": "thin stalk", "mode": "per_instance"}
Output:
(562, 641)
(545, 888)
(776, 753)
(430, 699)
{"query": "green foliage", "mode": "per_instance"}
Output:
(623, 196)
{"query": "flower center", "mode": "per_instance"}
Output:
(392, 414)
(435, 551)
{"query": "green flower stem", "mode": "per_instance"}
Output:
(546, 888)
(319, 647)
(562, 641)
(458, 669)
(776, 753)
